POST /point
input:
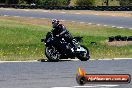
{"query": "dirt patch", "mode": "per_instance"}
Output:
(119, 43)
(43, 21)
(28, 20)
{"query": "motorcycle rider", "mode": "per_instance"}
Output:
(59, 31)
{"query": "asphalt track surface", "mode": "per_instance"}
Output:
(59, 74)
(117, 21)
(62, 74)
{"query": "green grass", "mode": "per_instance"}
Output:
(100, 2)
(21, 40)
(100, 35)
(111, 2)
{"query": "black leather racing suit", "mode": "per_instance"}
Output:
(61, 30)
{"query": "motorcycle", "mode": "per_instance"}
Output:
(56, 50)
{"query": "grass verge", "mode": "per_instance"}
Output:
(20, 38)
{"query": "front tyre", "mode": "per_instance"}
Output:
(84, 56)
(81, 80)
(52, 54)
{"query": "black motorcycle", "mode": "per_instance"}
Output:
(56, 50)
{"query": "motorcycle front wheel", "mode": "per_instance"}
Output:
(52, 54)
(84, 56)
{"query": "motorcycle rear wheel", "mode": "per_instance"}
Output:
(52, 54)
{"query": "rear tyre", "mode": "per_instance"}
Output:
(52, 54)
(84, 56)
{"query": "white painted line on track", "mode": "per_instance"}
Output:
(120, 27)
(83, 87)
(104, 59)
(27, 10)
(43, 18)
(35, 10)
(17, 61)
(113, 26)
(65, 60)
(6, 15)
(61, 87)
(62, 20)
(122, 58)
(7, 9)
(108, 86)
(63, 12)
(75, 60)
(95, 86)
(77, 13)
(45, 11)
(82, 22)
(92, 59)
(115, 59)
(105, 25)
(89, 23)
(98, 24)
(69, 59)
(97, 14)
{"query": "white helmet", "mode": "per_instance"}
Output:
(55, 22)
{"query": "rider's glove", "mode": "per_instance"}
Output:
(57, 35)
